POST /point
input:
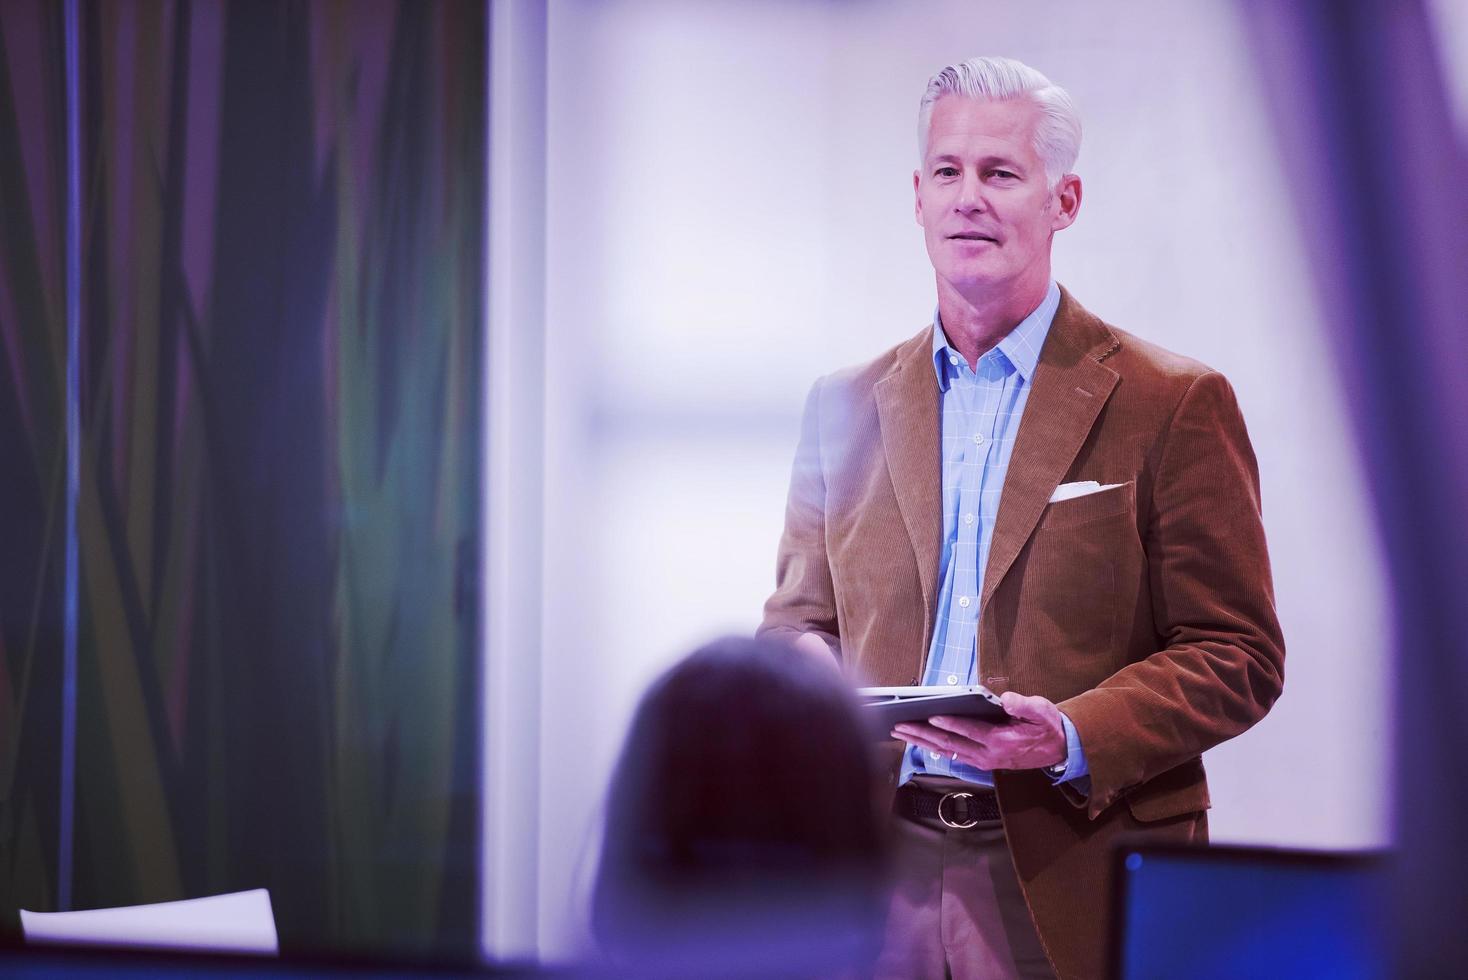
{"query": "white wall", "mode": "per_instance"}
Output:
(729, 215)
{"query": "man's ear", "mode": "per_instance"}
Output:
(1068, 197)
(917, 201)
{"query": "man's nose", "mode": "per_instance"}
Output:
(970, 195)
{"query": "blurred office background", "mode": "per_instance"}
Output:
(440, 368)
(729, 215)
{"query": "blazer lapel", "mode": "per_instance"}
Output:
(908, 412)
(1070, 387)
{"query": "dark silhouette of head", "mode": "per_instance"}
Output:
(742, 825)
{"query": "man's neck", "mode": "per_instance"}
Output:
(976, 322)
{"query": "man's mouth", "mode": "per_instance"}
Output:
(973, 236)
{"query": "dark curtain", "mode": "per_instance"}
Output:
(32, 448)
(278, 519)
(1378, 177)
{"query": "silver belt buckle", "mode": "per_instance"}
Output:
(949, 823)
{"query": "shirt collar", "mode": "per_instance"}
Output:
(1021, 345)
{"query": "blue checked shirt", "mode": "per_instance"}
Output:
(981, 413)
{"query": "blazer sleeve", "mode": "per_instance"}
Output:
(1221, 665)
(804, 600)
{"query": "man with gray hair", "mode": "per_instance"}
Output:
(1025, 497)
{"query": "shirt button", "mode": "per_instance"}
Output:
(963, 601)
(952, 359)
(978, 438)
(968, 518)
(953, 678)
(935, 755)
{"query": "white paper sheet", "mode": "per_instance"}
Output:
(241, 922)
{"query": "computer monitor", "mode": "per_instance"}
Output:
(1203, 912)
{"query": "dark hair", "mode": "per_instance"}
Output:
(743, 808)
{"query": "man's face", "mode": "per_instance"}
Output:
(981, 196)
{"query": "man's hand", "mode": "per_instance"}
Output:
(1033, 738)
(815, 648)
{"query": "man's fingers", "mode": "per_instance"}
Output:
(948, 746)
(927, 734)
(1024, 707)
(815, 648)
(937, 739)
(921, 742)
(1015, 704)
(1004, 747)
(969, 728)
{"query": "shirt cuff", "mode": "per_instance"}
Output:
(1075, 758)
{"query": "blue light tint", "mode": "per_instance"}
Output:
(73, 455)
(1224, 913)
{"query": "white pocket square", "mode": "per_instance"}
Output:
(1068, 490)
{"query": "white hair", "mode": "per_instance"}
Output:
(1058, 134)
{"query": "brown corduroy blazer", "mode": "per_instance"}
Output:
(1146, 612)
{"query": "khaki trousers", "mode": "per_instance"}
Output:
(956, 909)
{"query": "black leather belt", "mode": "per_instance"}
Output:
(958, 810)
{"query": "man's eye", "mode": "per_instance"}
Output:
(1001, 173)
(946, 172)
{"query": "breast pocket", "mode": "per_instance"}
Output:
(1089, 507)
(1069, 590)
